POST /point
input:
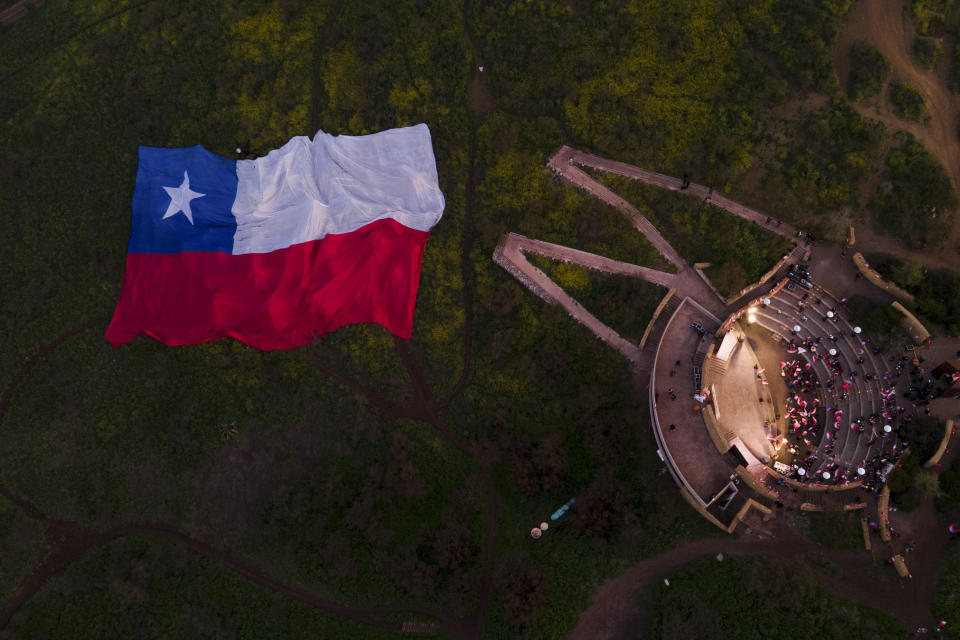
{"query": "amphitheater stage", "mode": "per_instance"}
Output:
(750, 409)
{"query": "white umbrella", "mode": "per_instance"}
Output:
(796, 327)
(829, 314)
(801, 472)
(826, 475)
(856, 329)
(766, 301)
(861, 471)
(833, 352)
(887, 428)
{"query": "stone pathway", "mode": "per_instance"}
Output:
(509, 255)
(573, 156)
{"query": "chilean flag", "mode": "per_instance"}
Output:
(279, 250)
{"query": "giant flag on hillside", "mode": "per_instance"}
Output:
(279, 250)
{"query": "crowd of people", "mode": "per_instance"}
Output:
(807, 425)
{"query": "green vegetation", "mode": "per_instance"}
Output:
(20, 539)
(909, 482)
(927, 51)
(937, 292)
(930, 16)
(739, 251)
(955, 69)
(946, 597)
(925, 434)
(915, 200)
(869, 69)
(277, 456)
(623, 303)
(143, 588)
(948, 501)
(798, 35)
(908, 103)
(749, 598)
(833, 530)
(880, 321)
(840, 151)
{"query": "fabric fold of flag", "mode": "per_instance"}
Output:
(277, 251)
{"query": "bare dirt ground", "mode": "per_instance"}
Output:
(881, 23)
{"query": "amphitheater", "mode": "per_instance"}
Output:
(773, 398)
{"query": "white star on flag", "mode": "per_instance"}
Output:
(180, 198)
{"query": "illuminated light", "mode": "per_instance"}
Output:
(751, 318)
(766, 301)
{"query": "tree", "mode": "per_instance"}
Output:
(601, 510)
(524, 590)
(908, 274)
(908, 103)
(869, 69)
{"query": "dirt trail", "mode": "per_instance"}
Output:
(28, 508)
(872, 242)
(881, 23)
(621, 607)
(75, 543)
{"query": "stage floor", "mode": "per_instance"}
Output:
(740, 391)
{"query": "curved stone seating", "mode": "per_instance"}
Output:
(850, 448)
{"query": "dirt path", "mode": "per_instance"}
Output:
(68, 541)
(881, 23)
(621, 607)
(76, 542)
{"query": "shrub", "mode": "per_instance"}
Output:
(869, 69)
(929, 16)
(908, 103)
(915, 199)
(927, 51)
